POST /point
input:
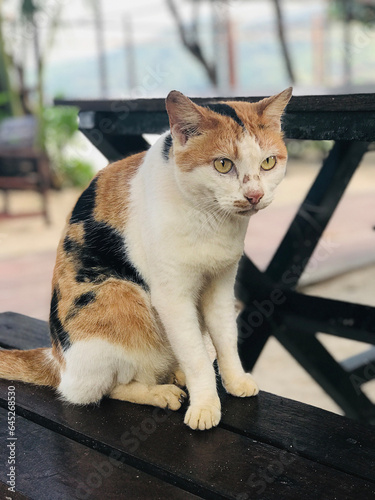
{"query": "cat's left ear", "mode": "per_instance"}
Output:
(185, 117)
(272, 108)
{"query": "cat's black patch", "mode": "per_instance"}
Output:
(101, 255)
(168, 141)
(69, 245)
(85, 205)
(225, 110)
(83, 300)
(58, 333)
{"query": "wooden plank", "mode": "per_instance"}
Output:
(51, 466)
(21, 332)
(319, 435)
(214, 464)
(342, 443)
(301, 104)
(313, 125)
(4, 494)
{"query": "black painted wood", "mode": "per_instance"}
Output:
(346, 117)
(317, 125)
(116, 148)
(51, 466)
(315, 212)
(301, 104)
(214, 464)
(21, 332)
(4, 493)
(310, 432)
(277, 431)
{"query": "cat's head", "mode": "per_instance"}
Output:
(229, 156)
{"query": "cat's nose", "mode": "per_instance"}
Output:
(254, 197)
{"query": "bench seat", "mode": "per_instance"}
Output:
(265, 447)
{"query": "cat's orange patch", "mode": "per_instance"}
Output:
(121, 314)
(110, 306)
(76, 232)
(35, 366)
(220, 139)
(268, 137)
(221, 135)
(113, 190)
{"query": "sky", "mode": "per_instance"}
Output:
(149, 19)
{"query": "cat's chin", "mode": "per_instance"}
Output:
(247, 213)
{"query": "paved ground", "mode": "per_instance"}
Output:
(342, 267)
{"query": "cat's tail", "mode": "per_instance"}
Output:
(36, 366)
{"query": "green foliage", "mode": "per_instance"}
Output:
(29, 8)
(308, 149)
(76, 172)
(363, 12)
(60, 126)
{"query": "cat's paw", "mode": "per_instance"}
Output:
(178, 378)
(242, 386)
(168, 396)
(203, 416)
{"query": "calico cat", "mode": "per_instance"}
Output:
(147, 263)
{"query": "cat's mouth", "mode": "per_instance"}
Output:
(247, 211)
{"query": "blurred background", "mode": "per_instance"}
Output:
(113, 49)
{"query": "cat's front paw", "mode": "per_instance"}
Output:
(168, 396)
(242, 386)
(203, 417)
(178, 378)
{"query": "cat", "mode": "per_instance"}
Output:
(146, 264)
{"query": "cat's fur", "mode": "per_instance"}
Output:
(147, 263)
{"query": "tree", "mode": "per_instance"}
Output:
(282, 39)
(9, 100)
(190, 40)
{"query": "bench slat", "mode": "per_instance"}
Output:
(213, 464)
(341, 443)
(4, 493)
(311, 432)
(21, 332)
(49, 465)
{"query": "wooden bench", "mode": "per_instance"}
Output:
(116, 128)
(22, 165)
(265, 447)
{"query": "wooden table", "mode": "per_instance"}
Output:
(265, 447)
(116, 128)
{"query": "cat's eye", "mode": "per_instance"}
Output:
(223, 165)
(268, 163)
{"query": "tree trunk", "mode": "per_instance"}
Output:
(13, 106)
(192, 44)
(282, 39)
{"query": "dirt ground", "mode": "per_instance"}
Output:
(342, 267)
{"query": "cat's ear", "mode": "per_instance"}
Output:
(272, 108)
(185, 117)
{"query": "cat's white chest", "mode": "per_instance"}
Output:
(181, 246)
